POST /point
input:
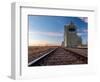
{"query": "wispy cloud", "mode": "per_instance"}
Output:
(85, 30)
(41, 43)
(82, 32)
(85, 19)
(47, 33)
(37, 43)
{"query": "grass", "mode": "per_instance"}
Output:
(34, 51)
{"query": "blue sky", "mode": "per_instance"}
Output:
(49, 30)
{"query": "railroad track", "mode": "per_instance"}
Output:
(59, 56)
(41, 57)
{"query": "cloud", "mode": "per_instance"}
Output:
(85, 30)
(47, 33)
(85, 19)
(40, 43)
(37, 42)
(81, 34)
(82, 31)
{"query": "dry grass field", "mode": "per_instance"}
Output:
(36, 51)
(82, 51)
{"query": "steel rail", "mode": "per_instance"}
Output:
(36, 60)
